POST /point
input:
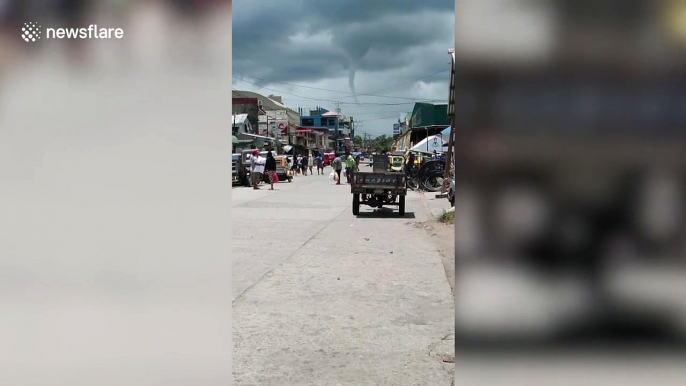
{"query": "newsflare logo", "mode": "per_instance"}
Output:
(32, 31)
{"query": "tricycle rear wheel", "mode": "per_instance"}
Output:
(356, 204)
(401, 206)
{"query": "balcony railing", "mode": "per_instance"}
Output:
(306, 143)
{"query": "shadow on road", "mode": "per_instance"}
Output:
(384, 213)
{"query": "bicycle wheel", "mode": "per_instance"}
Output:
(412, 183)
(433, 183)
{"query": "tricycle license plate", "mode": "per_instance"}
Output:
(378, 191)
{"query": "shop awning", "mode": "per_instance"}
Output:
(259, 136)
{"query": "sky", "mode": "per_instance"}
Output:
(319, 52)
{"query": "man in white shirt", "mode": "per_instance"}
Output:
(256, 168)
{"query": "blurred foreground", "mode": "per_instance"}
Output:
(114, 238)
(571, 175)
(156, 33)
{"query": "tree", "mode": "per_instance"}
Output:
(357, 141)
(382, 143)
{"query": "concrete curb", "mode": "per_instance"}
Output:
(439, 205)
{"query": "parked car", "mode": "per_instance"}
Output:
(328, 157)
(235, 167)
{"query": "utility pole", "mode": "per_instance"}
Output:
(352, 130)
(449, 162)
(367, 138)
(338, 111)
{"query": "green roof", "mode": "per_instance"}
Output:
(428, 114)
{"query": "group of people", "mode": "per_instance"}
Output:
(352, 165)
(260, 166)
(300, 164)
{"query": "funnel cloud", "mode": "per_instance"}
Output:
(371, 47)
(351, 80)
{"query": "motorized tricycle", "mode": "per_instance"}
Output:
(378, 188)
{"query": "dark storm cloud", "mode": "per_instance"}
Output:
(382, 46)
(296, 63)
(328, 11)
(364, 35)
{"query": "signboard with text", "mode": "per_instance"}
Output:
(396, 129)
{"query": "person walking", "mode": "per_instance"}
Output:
(310, 164)
(349, 166)
(293, 163)
(270, 169)
(303, 164)
(320, 164)
(256, 168)
(337, 167)
(357, 163)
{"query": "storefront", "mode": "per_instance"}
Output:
(426, 120)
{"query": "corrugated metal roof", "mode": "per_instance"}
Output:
(267, 103)
(239, 118)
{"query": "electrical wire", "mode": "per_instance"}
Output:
(407, 83)
(330, 90)
(377, 119)
(373, 94)
(335, 101)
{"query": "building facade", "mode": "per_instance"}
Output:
(248, 106)
(241, 125)
(426, 119)
(271, 117)
(339, 128)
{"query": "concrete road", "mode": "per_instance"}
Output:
(321, 297)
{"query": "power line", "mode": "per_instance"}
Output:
(406, 83)
(378, 119)
(335, 101)
(329, 90)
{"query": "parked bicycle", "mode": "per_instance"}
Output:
(412, 177)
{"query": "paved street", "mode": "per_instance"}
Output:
(323, 298)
